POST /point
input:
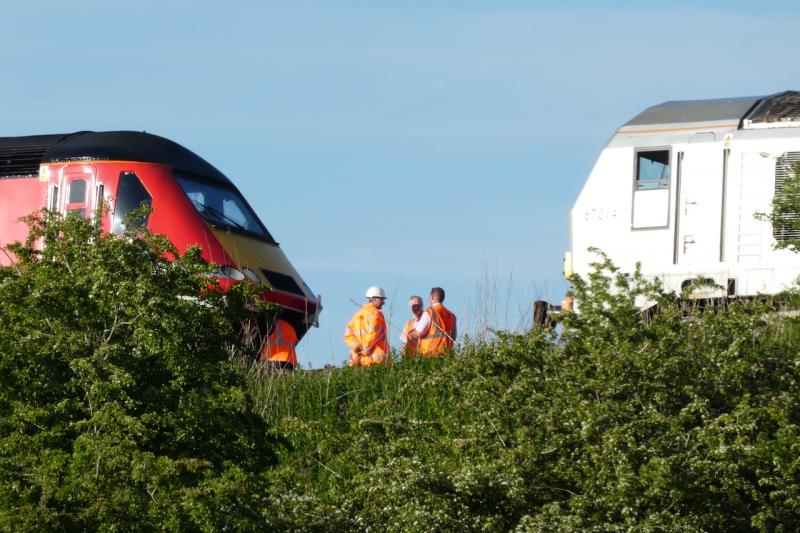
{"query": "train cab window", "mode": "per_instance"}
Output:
(131, 195)
(222, 206)
(76, 198)
(77, 192)
(652, 169)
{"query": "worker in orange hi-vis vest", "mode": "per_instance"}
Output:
(365, 334)
(410, 345)
(436, 328)
(279, 348)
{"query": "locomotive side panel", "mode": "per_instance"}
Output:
(19, 197)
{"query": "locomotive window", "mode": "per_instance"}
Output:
(222, 207)
(77, 192)
(652, 169)
(99, 196)
(53, 203)
(131, 194)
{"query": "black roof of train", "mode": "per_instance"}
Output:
(782, 108)
(21, 156)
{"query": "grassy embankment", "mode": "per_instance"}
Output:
(685, 422)
(119, 410)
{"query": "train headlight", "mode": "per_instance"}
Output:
(230, 272)
(251, 275)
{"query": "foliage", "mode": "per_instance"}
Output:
(118, 406)
(785, 214)
(683, 420)
(120, 409)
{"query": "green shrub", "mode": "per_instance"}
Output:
(785, 207)
(683, 420)
(127, 404)
(118, 406)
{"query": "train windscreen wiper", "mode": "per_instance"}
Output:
(222, 217)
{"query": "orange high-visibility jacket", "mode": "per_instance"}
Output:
(412, 345)
(280, 344)
(440, 334)
(367, 329)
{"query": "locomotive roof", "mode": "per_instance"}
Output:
(750, 111)
(21, 156)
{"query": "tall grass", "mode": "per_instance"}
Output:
(685, 420)
(333, 394)
(502, 302)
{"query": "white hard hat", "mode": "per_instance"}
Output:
(375, 292)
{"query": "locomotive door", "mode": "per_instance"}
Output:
(74, 193)
(699, 204)
(77, 195)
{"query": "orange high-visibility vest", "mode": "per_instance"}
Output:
(439, 336)
(367, 329)
(280, 344)
(412, 345)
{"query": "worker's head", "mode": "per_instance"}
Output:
(437, 295)
(376, 296)
(415, 304)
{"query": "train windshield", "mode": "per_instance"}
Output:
(222, 207)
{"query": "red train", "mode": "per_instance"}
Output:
(192, 203)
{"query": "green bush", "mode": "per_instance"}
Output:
(119, 408)
(128, 402)
(785, 207)
(684, 420)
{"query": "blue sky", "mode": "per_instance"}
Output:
(405, 144)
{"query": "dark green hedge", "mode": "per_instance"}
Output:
(683, 421)
(128, 403)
